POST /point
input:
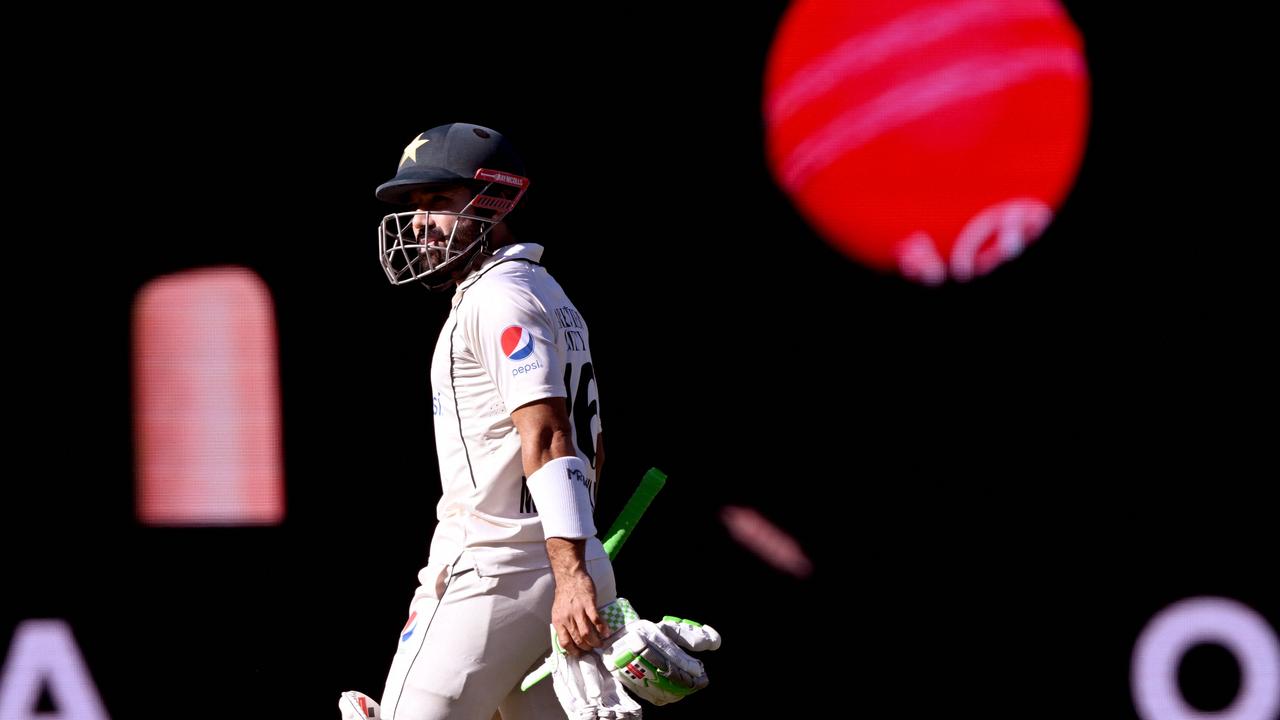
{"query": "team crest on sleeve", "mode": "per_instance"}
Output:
(517, 343)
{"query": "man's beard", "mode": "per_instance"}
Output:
(465, 232)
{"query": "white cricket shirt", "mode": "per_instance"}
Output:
(511, 337)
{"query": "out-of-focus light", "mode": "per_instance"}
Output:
(935, 138)
(43, 656)
(1223, 621)
(207, 401)
(768, 541)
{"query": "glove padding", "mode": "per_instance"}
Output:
(356, 705)
(586, 689)
(648, 659)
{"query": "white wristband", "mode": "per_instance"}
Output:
(559, 489)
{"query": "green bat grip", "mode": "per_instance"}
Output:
(650, 484)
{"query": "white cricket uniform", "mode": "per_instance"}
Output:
(479, 620)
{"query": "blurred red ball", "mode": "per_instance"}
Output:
(934, 138)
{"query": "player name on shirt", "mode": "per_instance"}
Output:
(566, 318)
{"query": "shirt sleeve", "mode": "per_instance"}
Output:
(513, 339)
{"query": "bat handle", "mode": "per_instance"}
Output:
(618, 533)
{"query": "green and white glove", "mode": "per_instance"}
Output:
(650, 659)
(585, 687)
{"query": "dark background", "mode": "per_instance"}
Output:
(998, 483)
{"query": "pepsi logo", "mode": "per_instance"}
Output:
(409, 626)
(517, 343)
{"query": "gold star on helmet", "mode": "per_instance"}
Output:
(411, 150)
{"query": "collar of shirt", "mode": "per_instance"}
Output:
(519, 251)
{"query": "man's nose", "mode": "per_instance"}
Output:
(422, 218)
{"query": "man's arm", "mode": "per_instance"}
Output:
(545, 434)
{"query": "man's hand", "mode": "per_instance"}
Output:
(574, 616)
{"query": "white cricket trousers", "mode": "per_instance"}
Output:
(471, 639)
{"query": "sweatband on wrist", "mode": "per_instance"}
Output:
(559, 489)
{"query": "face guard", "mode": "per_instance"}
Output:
(410, 248)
